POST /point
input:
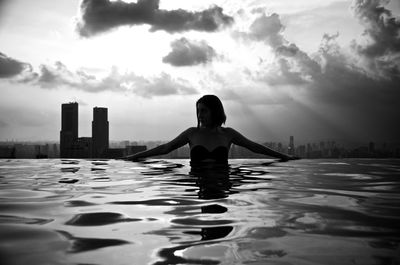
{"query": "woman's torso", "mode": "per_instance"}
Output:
(210, 145)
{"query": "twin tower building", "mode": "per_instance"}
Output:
(72, 146)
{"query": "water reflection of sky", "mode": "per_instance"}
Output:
(166, 212)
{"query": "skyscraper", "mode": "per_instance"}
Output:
(100, 135)
(69, 128)
(291, 146)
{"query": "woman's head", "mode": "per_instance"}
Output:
(210, 111)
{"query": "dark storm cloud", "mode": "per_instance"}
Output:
(331, 78)
(342, 82)
(187, 53)
(308, 67)
(381, 27)
(369, 104)
(329, 67)
(361, 89)
(10, 67)
(97, 16)
(383, 33)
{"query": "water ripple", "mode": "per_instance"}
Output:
(10, 219)
(99, 218)
(74, 211)
(80, 244)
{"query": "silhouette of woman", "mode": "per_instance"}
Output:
(209, 142)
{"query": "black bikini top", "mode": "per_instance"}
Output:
(199, 153)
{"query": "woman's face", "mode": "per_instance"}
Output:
(204, 115)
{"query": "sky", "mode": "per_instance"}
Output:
(314, 69)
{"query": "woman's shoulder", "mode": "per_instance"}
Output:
(225, 130)
(190, 130)
(228, 130)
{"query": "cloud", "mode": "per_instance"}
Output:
(268, 29)
(10, 67)
(163, 85)
(283, 74)
(97, 16)
(382, 30)
(292, 65)
(80, 102)
(187, 53)
(359, 89)
(328, 67)
(344, 82)
(367, 79)
(381, 27)
(59, 76)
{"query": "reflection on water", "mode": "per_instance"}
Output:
(88, 244)
(166, 212)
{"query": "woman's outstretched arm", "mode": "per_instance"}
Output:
(163, 149)
(240, 140)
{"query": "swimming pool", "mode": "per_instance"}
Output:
(164, 212)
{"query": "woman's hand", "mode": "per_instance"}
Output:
(133, 158)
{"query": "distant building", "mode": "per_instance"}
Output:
(82, 148)
(100, 132)
(25, 151)
(133, 149)
(301, 151)
(41, 151)
(114, 153)
(7, 152)
(371, 148)
(69, 128)
(241, 152)
(53, 150)
(291, 146)
(280, 148)
(72, 146)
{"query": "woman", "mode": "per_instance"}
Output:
(209, 141)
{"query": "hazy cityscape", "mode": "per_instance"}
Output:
(323, 149)
(99, 145)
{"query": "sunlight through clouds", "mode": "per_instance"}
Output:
(327, 64)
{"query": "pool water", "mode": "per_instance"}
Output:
(165, 212)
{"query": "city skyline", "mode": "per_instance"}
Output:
(312, 150)
(69, 132)
(312, 69)
(72, 146)
(100, 132)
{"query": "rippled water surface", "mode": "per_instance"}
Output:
(165, 212)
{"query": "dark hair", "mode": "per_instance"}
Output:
(217, 110)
